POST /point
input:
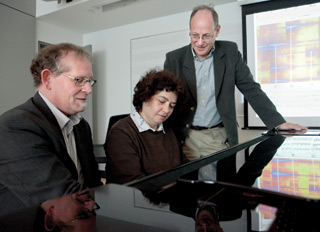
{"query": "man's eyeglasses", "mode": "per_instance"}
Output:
(205, 37)
(86, 214)
(81, 81)
(82, 198)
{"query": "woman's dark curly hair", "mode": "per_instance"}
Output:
(154, 81)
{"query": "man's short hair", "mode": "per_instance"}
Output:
(49, 58)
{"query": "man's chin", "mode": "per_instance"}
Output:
(83, 105)
(202, 53)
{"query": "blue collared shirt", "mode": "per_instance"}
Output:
(206, 113)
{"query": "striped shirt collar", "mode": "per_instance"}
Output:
(209, 55)
(142, 125)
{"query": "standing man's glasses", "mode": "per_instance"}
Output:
(205, 37)
(82, 81)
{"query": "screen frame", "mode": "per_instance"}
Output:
(257, 8)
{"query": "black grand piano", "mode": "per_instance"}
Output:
(276, 188)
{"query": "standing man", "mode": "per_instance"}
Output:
(46, 146)
(210, 70)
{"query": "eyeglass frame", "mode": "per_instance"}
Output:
(202, 205)
(84, 81)
(206, 37)
(84, 214)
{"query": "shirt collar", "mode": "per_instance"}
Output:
(62, 119)
(209, 55)
(142, 125)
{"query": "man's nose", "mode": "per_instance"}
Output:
(87, 88)
(201, 40)
(204, 227)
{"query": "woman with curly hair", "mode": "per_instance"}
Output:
(142, 144)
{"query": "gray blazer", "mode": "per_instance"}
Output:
(230, 70)
(34, 162)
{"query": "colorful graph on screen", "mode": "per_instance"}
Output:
(287, 64)
(289, 51)
(295, 168)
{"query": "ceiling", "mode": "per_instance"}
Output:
(88, 16)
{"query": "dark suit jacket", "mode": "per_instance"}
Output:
(30, 219)
(34, 163)
(230, 70)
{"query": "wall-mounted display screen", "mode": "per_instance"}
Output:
(283, 53)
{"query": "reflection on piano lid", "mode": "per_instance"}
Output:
(71, 213)
(280, 171)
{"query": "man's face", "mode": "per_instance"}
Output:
(202, 25)
(75, 212)
(65, 94)
(205, 221)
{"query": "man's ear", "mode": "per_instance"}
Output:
(46, 78)
(49, 224)
(218, 30)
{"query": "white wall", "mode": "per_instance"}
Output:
(26, 6)
(52, 34)
(17, 49)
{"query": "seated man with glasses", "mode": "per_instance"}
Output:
(207, 218)
(46, 146)
(74, 212)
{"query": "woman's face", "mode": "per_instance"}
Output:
(159, 108)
